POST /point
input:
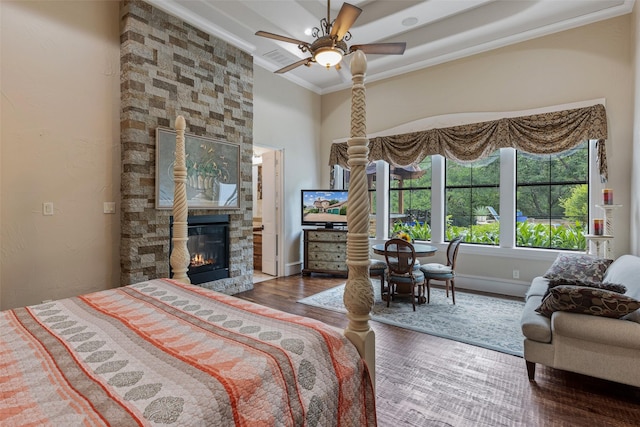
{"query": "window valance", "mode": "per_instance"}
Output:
(544, 133)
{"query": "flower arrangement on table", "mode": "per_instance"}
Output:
(404, 235)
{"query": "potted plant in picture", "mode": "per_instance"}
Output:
(481, 213)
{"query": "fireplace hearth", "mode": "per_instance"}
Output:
(208, 247)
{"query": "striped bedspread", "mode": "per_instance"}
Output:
(164, 353)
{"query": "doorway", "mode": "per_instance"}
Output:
(267, 224)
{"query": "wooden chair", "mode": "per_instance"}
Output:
(445, 273)
(404, 273)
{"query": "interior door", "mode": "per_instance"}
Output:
(270, 211)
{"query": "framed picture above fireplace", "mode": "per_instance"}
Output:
(213, 171)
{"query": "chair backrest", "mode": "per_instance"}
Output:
(400, 256)
(452, 251)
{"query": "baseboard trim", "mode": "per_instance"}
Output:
(293, 268)
(491, 284)
(463, 281)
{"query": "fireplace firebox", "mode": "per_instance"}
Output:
(208, 245)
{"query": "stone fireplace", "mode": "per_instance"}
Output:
(208, 247)
(172, 68)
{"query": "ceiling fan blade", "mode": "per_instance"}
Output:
(281, 38)
(290, 67)
(345, 19)
(380, 48)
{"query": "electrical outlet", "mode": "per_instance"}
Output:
(47, 208)
(516, 274)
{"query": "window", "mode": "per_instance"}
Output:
(472, 200)
(410, 199)
(552, 199)
(544, 202)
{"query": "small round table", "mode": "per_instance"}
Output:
(422, 250)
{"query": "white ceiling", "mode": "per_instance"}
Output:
(444, 30)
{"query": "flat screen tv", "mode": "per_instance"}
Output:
(324, 207)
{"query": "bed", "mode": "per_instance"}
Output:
(165, 352)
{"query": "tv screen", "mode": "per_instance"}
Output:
(324, 207)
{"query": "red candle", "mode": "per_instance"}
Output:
(607, 196)
(598, 227)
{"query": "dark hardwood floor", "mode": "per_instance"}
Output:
(422, 380)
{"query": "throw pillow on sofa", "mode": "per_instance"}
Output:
(614, 287)
(577, 268)
(585, 300)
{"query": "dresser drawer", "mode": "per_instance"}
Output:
(327, 256)
(327, 265)
(326, 236)
(327, 247)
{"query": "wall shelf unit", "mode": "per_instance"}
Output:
(602, 245)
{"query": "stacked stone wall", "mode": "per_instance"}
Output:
(172, 68)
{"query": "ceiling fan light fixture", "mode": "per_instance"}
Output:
(328, 56)
(329, 46)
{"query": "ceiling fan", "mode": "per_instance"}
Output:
(329, 46)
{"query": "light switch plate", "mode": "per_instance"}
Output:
(47, 208)
(109, 207)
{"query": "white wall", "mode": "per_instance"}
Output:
(590, 62)
(60, 143)
(287, 116)
(634, 232)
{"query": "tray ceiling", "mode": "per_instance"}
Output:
(435, 31)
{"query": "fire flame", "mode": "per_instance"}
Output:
(198, 260)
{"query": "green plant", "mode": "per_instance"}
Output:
(562, 236)
(481, 211)
(421, 231)
(415, 231)
(569, 236)
(576, 205)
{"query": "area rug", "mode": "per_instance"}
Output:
(475, 319)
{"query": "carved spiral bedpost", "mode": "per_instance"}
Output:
(180, 254)
(358, 293)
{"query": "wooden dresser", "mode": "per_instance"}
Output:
(325, 251)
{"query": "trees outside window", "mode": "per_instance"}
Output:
(552, 191)
(472, 192)
(410, 199)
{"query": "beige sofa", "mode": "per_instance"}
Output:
(602, 347)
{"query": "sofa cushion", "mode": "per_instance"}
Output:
(571, 268)
(613, 287)
(535, 326)
(626, 271)
(596, 330)
(585, 300)
(539, 286)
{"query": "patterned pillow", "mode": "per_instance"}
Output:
(576, 268)
(579, 299)
(614, 287)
